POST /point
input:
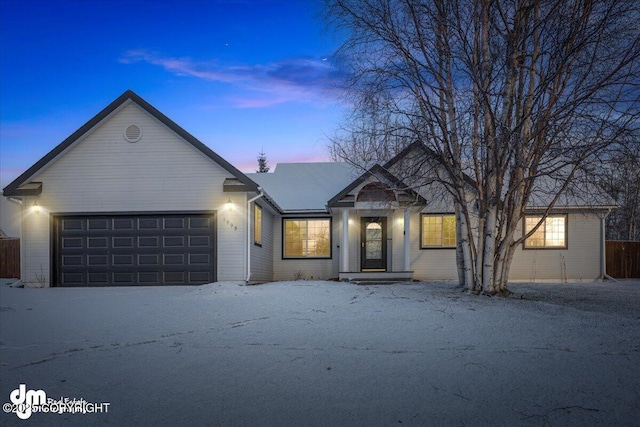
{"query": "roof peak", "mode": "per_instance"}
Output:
(11, 189)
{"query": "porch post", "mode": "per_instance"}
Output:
(345, 241)
(407, 240)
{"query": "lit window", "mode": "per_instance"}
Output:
(307, 238)
(257, 225)
(552, 233)
(438, 231)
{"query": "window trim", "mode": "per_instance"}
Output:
(306, 218)
(257, 208)
(420, 238)
(545, 247)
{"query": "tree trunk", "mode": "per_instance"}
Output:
(460, 262)
(462, 226)
(478, 258)
(488, 252)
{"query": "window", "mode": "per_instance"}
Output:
(438, 231)
(257, 225)
(307, 238)
(552, 233)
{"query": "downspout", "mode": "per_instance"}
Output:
(253, 199)
(603, 246)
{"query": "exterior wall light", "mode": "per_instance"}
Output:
(36, 208)
(229, 204)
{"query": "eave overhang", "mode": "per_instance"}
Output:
(28, 189)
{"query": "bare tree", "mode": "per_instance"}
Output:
(510, 98)
(620, 177)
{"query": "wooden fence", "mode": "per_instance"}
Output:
(623, 259)
(10, 258)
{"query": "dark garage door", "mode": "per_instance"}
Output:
(124, 250)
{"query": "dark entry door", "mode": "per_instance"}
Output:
(373, 251)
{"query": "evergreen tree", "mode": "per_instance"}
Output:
(262, 163)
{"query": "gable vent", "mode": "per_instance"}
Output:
(133, 133)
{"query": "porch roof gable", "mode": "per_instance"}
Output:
(377, 172)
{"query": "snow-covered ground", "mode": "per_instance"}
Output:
(327, 354)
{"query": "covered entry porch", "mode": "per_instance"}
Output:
(375, 245)
(375, 235)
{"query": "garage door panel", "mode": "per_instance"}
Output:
(173, 259)
(98, 224)
(200, 277)
(173, 241)
(124, 250)
(199, 241)
(72, 260)
(123, 278)
(97, 242)
(97, 260)
(73, 278)
(174, 277)
(72, 224)
(98, 279)
(72, 242)
(202, 259)
(123, 223)
(149, 223)
(174, 223)
(148, 242)
(123, 260)
(148, 259)
(148, 277)
(199, 223)
(122, 242)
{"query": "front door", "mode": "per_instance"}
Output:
(373, 252)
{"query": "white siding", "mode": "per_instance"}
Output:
(105, 173)
(262, 256)
(580, 261)
(430, 264)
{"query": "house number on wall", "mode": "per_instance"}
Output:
(230, 224)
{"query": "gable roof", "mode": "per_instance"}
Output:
(304, 187)
(582, 193)
(373, 171)
(16, 188)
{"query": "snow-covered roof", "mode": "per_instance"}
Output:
(305, 186)
(581, 193)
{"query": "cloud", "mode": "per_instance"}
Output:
(308, 80)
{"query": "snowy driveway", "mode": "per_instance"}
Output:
(326, 354)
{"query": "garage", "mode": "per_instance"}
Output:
(134, 249)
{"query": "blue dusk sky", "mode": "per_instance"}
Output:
(241, 76)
